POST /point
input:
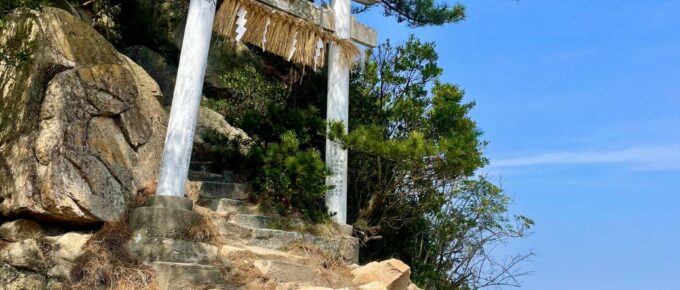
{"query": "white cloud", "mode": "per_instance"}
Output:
(646, 158)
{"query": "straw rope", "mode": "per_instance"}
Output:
(281, 33)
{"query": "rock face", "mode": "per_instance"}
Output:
(163, 71)
(67, 248)
(210, 121)
(36, 260)
(392, 274)
(12, 278)
(81, 128)
(25, 254)
(20, 230)
(156, 22)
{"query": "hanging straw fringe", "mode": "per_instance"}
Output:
(284, 33)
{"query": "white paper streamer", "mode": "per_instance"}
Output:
(241, 22)
(317, 52)
(264, 35)
(293, 47)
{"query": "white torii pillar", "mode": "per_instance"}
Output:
(338, 110)
(186, 99)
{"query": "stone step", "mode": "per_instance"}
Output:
(171, 250)
(265, 222)
(161, 222)
(228, 175)
(201, 166)
(199, 175)
(182, 276)
(230, 206)
(208, 191)
(342, 246)
(228, 251)
(245, 215)
(287, 272)
(205, 176)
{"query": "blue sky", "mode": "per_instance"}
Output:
(581, 102)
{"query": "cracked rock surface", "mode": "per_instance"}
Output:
(81, 127)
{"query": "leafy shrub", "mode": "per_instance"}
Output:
(103, 13)
(413, 152)
(248, 90)
(6, 6)
(291, 181)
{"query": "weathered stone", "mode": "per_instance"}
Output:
(413, 287)
(283, 272)
(181, 276)
(228, 206)
(344, 247)
(227, 251)
(178, 202)
(26, 254)
(393, 274)
(163, 71)
(207, 191)
(15, 279)
(20, 229)
(170, 250)
(373, 286)
(344, 229)
(303, 287)
(159, 222)
(81, 129)
(265, 222)
(156, 22)
(67, 249)
(55, 284)
(211, 121)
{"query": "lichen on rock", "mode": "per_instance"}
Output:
(81, 128)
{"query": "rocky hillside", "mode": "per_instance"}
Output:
(81, 137)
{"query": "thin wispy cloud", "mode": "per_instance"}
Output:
(644, 158)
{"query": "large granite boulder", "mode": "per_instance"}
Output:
(162, 70)
(155, 23)
(81, 128)
(12, 278)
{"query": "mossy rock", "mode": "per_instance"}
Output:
(81, 129)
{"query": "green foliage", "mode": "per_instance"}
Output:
(15, 53)
(105, 19)
(248, 90)
(413, 152)
(454, 243)
(221, 152)
(284, 162)
(102, 13)
(307, 124)
(423, 12)
(290, 173)
(290, 180)
(7, 6)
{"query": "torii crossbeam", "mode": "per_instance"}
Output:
(191, 73)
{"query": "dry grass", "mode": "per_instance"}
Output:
(143, 196)
(282, 31)
(3, 244)
(321, 258)
(193, 190)
(205, 230)
(105, 262)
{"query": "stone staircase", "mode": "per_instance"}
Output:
(244, 221)
(277, 250)
(160, 232)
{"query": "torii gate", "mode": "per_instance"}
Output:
(191, 74)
